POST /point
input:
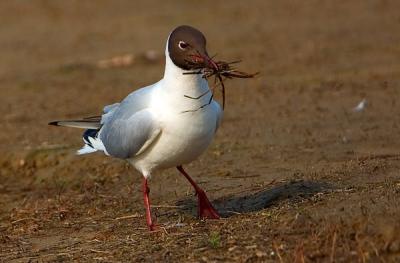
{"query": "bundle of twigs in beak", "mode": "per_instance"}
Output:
(220, 70)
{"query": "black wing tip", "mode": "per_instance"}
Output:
(54, 123)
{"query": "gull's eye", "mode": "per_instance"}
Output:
(183, 45)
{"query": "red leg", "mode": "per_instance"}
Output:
(146, 199)
(205, 208)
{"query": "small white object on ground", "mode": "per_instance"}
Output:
(360, 106)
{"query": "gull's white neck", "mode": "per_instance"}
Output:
(190, 84)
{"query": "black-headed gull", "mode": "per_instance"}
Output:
(167, 124)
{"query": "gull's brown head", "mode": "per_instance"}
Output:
(187, 49)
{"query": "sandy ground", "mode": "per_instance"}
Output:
(298, 173)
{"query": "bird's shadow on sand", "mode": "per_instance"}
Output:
(256, 201)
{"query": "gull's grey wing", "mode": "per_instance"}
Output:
(123, 130)
(126, 137)
(129, 126)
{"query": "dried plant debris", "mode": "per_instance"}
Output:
(220, 70)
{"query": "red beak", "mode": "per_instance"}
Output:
(206, 60)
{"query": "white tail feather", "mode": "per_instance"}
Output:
(85, 150)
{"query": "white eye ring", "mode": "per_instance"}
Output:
(182, 45)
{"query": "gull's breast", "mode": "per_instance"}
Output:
(184, 136)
